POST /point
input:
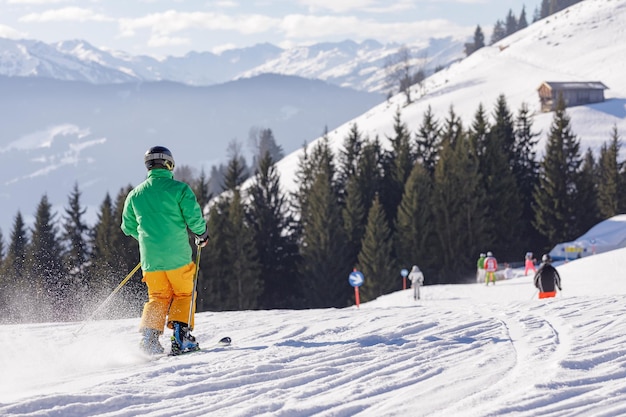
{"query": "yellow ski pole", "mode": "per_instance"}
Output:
(124, 281)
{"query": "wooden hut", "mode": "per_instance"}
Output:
(575, 93)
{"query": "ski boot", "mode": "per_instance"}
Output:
(182, 340)
(150, 342)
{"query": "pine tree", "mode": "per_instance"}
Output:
(245, 285)
(353, 218)
(415, 224)
(610, 182)
(230, 273)
(351, 196)
(102, 238)
(126, 248)
(504, 127)
(375, 259)
(215, 270)
(14, 279)
(479, 38)
(237, 170)
(459, 208)
(510, 23)
(499, 32)
(479, 42)
(303, 177)
(264, 142)
(370, 174)
(310, 164)
(359, 195)
(428, 141)
(537, 14)
(398, 163)
(452, 129)
(526, 172)
(349, 155)
(478, 134)
(74, 235)
(555, 196)
(503, 202)
(274, 242)
(45, 263)
(185, 173)
(14, 261)
(126, 252)
(522, 23)
(323, 269)
(586, 211)
(545, 9)
(201, 188)
(216, 180)
(107, 263)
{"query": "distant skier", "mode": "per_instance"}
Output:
(529, 263)
(417, 280)
(491, 266)
(480, 268)
(547, 278)
(508, 271)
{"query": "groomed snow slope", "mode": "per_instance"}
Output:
(464, 350)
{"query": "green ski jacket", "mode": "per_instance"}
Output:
(157, 213)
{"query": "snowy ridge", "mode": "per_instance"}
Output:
(464, 350)
(359, 66)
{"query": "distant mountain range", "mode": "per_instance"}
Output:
(360, 66)
(73, 113)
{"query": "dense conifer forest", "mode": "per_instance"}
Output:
(434, 197)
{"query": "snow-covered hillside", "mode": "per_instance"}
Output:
(607, 235)
(581, 43)
(463, 350)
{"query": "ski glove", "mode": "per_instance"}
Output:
(203, 239)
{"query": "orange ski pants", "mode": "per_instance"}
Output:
(548, 294)
(169, 297)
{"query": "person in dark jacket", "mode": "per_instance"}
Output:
(158, 213)
(547, 278)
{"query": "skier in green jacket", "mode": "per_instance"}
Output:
(158, 213)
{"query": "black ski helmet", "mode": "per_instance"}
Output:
(159, 156)
(546, 258)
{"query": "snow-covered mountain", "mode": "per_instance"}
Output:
(462, 351)
(360, 66)
(581, 43)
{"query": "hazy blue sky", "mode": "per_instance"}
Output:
(175, 27)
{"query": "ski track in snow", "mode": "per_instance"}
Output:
(464, 350)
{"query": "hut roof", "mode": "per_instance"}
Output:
(575, 85)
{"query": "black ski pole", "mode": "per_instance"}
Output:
(195, 283)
